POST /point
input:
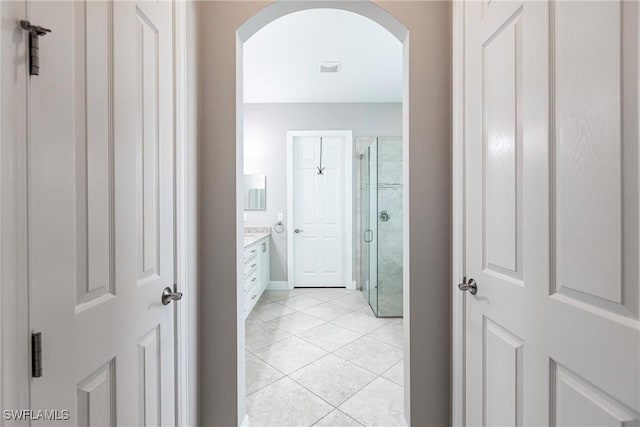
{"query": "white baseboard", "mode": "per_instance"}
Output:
(283, 285)
(245, 421)
(278, 285)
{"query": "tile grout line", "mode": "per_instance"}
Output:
(297, 369)
(334, 406)
(327, 352)
(338, 409)
(364, 367)
(362, 335)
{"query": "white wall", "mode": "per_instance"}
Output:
(265, 150)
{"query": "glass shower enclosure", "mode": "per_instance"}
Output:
(380, 225)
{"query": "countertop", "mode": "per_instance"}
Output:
(253, 235)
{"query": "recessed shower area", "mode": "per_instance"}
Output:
(379, 223)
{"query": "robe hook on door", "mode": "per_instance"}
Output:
(35, 31)
(320, 168)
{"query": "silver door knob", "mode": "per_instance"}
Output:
(470, 286)
(168, 295)
(298, 230)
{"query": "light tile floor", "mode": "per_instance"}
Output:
(319, 357)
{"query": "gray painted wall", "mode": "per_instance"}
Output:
(427, 133)
(265, 151)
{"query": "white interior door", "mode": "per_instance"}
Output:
(551, 216)
(101, 211)
(320, 212)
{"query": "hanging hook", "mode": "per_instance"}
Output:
(320, 168)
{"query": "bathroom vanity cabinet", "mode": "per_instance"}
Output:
(256, 272)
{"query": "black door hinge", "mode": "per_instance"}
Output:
(36, 354)
(35, 32)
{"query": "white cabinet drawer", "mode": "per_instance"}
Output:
(256, 273)
(250, 301)
(251, 281)
(250, 267)
(251, 252)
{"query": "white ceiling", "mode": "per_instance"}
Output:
(282, 60)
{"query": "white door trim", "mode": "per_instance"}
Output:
(186, 311)
(348, 136)
(14, 285)
(457, 220)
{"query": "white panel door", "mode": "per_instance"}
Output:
(319, 214)
(101, 212)
(551, 213)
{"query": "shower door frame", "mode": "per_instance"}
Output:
(371, 246)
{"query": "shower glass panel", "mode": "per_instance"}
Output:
(366, 232)
(381, 225)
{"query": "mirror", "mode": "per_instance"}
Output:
(255, 192)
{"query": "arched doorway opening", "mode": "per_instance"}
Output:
(426, 131)
(266, 17)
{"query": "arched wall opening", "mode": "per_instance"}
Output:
(384, 28)
(426, 179)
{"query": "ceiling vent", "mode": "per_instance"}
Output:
(329, 67)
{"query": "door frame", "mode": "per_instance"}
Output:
(458, 351)
(14, 304)
(14, 243)
(185, 196)
(348, 230)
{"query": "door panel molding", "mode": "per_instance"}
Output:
(569, 388)
(94, 154)
(97, 397)
(587, 136)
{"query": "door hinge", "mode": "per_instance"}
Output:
(36, 354)
(35, 32)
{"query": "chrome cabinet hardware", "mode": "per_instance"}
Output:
(298, 230)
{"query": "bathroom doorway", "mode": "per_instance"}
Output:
(317, 349)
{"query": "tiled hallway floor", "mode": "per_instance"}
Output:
(319, 357)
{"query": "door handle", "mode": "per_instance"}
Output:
(168, 295)
(470, 286)
(298, 230)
